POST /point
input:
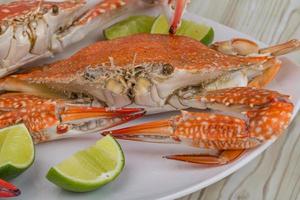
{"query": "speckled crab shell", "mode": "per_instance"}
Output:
(140, 70)
(181, 53)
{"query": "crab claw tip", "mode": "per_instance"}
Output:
(179, 10)
(8, 190)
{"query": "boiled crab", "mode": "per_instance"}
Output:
(155, 72)
(33, 29)
(160, 73)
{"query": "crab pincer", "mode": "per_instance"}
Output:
(242, 118)
(49, 119)
(8, 190)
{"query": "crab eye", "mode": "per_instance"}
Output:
(55, 10)
(167, 69)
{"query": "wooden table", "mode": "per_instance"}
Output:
(276, 173)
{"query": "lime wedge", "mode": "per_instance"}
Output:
(200, 32)
(209, 37)
(91, 168)
(16, 151)
(130, 26)
(160, 25)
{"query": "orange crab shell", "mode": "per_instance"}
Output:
(182, 53)
(37, 111)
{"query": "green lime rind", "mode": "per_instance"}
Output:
(9, 171)
(16, 151)
(58, 178)
(209, 38)
(130, 26)
(71, 174)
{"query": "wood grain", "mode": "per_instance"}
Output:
(275, 174)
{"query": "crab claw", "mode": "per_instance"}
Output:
(8, 189)
(164, 131)
(242, 118)
(50, 119)
(157, 132)
(180, 6)
(76, 120)
(83, 119)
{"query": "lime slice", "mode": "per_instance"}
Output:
(130, 26)
(200, 32)
(16, 151)
(91, 168)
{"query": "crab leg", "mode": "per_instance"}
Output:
(95, 18)
(180, 6)
(49, 119)
(282, 49)
(245, 47)
(223, 157)
(243, 118)
(8, 189)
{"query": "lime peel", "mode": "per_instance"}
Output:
(106, 149)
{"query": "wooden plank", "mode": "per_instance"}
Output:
(275, 174)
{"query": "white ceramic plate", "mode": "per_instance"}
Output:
(146, 175)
